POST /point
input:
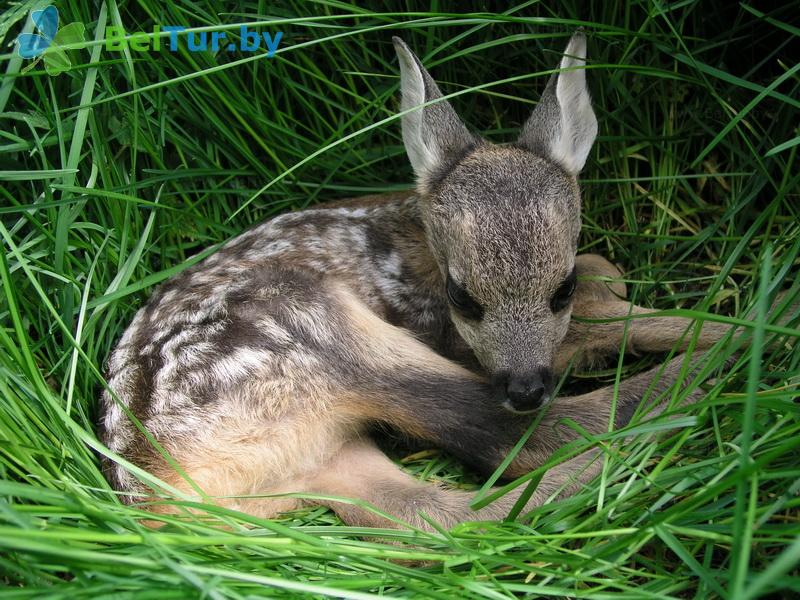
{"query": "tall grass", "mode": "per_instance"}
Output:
(132, 165)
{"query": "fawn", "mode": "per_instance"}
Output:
(442, 313)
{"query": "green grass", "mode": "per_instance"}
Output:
(131, 166)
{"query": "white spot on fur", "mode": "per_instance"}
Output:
(242, 363)
(269, 327)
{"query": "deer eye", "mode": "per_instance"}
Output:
(563, 295)
(462, 302)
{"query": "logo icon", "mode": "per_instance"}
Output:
(47, 44)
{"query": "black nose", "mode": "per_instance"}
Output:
(523, 392)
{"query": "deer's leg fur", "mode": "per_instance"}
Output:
(361, 471)
(587, 343)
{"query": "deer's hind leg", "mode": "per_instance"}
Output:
(600, 295)
(360, 471)
(242, 458)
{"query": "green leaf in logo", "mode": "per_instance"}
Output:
(55, 57)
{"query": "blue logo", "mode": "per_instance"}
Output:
(46, 44)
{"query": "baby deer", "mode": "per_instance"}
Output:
(443, 314)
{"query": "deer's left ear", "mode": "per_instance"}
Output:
(563, 127)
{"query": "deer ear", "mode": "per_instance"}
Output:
(433, 135)
(563, 126)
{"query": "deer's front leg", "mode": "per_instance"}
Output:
(600, 294)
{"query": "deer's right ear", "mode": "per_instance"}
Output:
(433, 135)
